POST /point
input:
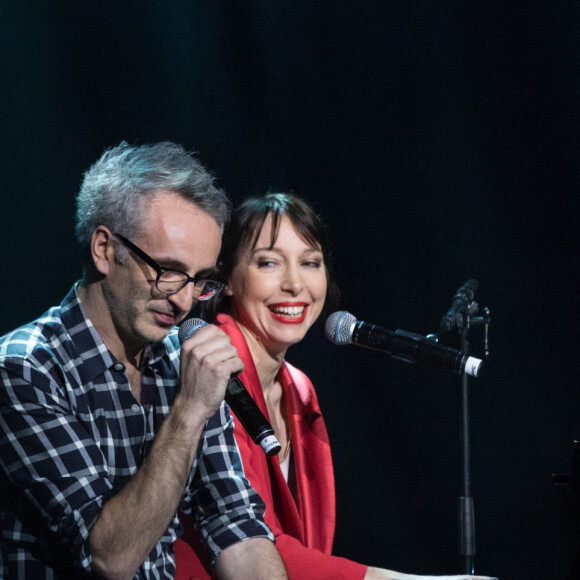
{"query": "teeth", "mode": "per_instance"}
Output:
(289, 311)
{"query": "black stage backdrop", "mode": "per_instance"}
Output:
(439, 139)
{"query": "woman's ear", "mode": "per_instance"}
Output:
(228, 290)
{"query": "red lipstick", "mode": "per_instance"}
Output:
(285, 318)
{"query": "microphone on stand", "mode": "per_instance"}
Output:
(461, 302)
(240, 401)
(343, 328)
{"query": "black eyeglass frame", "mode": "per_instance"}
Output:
(160, 270)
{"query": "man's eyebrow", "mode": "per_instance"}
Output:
(173, 264)
(212, 272)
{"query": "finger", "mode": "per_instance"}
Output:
(211, 350)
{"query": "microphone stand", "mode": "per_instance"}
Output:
(461, 314)
(466, 513)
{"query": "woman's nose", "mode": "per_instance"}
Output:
(292, 281)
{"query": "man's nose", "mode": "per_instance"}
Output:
(183, 299)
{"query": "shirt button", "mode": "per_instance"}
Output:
(119, 367)
(135, 408)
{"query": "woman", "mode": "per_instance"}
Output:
(276, 260)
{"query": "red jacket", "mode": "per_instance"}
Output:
(304, 528)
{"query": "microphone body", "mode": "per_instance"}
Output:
(240, 401)
(461, 301)
(343, 328)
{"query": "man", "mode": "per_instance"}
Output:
(107, 425)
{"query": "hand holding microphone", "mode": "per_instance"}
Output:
(239, 400)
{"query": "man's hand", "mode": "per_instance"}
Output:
(208, 360)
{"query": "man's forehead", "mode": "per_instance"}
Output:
(168, 202)
(169, 210)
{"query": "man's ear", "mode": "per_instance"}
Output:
(102, 249)
(228, 290)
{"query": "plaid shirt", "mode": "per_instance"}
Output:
(72, 435)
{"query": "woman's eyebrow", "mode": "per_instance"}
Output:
(309, 250)
(266, 249)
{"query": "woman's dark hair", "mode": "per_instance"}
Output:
(243, 232)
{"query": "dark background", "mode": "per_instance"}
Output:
(439, 140)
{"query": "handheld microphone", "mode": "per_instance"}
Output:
(343, 328)
(461, 301)
(240, 401)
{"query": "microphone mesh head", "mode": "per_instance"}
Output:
(189, 327)
(470, 288)
(339, 327)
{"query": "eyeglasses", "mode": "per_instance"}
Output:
(171, 281)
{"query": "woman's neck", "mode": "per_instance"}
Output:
(267, 363)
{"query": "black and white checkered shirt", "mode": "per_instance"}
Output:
(72, 435)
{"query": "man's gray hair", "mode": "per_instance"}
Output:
(117, 190)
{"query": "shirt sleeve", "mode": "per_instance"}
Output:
(226, 508)
(55, 471)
